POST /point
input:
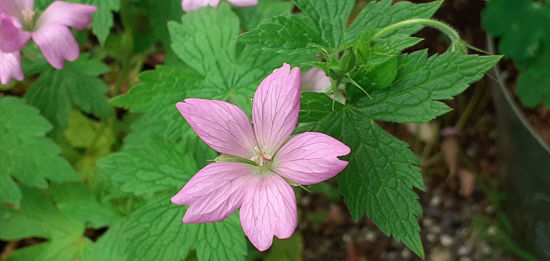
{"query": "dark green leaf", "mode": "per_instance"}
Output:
(421, 81)
(533, 85)
(381, 173)
(102, 20)
(524, 27)
(289, 249)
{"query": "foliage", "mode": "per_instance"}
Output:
(28, 157)
(524, 38)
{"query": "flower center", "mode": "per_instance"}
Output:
(262, 158)
(28, 16)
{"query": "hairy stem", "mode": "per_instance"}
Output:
(449, 31)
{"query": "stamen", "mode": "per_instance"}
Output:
(261, 157)
(27, 16)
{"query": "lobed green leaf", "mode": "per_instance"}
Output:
(27, 155)
(55, 92)
(156, 232)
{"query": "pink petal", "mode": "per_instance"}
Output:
(57, 44)
(189, 5)
(315, 80)
(243, 2)
(10, 67)
(223, 126)
(67, 14)
(310, 158)
(276, 107)
(269, 208)
(12, 36)
(215, 192)
(16, 8)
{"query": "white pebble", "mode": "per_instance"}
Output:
(427, 222)
(492, 230)
(405, 253)
(370, 236)
(435, 201)
(347, 238)
(446, 240)
(464, 250)
(431, 237)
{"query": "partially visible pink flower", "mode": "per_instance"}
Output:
(315, 80)
(10, 67)
(258, 183)
(189, 5)
(50, 31)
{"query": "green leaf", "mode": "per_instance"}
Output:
(77, 201)
(159, 13)
(381, 173)
(156, 232)
(330, 18)
(323, 24)
(523, 36)
(84, 133)
(27, 155)
(38, 217)
(43, 4)
(151, 165)
(379, 14)
(263, 12)
(157, 95)
(102, 20)
(533, 85)
(524, 29)
(55, 92)
(420, 82)
(289, 249)
(110, 247)
(283, 34)
(62, 249)
(205, 41)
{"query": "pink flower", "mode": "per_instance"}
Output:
(10, 67)
(266, 160)
(10, 61)
(189, 5)
(50, 30)
(315, 80)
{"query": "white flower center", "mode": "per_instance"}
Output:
(261, 157)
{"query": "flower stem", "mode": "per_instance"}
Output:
(449, 31)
